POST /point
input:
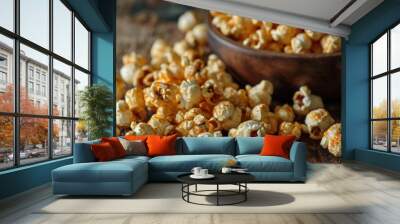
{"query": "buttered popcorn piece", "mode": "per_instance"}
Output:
(315, 36)
(135, 100)
(332, 140)
(249, 128)
(237, 97)
(211, 91)
(304, 101)
(129, 72)
(318, 121)
(197, 36)
(283, 33)
(226, 113)
(162, 94)
(159, 51)
(134, 58)
(161, 126)
(301, 43)
(331, 44)
(187, 21)
(120, 88)
(284, 113)
(190, 94)
(260, 93)
(290, 128)
(260, 112)
(141, 128)
(124, 116)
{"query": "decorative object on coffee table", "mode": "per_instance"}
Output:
(240, 180)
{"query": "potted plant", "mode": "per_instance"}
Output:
(96, 105)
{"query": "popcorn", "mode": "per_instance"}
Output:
(290, 128)
(248, 128)
(184, 127)
(141, 128)
(237, 97)
(158, 52)
(317, 122)
(304, 101)
(130, 72)
(190, 93)
(331, 44)
(332, 140)
(197, 36)
(226, 113)
(283, 33)
(133, 58)
(211, 91)
(135, 100)
(162, 94)
(260, 93)
(195, 71)
(301, 43)
(120, 88)
(261, 113)
(187, 21)
(161, 126)
(210, 134)
(167, 113)
(315, 36)
(123, 116)
(258, 40)
(261, 35)
(284, 113)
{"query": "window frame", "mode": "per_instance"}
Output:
(16, 115)
(388, 74)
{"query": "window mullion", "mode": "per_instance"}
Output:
(389, 113)
(50, 81)
(73, 82)
(16, 85)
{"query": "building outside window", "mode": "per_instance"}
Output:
(56, 124)
(385, 91)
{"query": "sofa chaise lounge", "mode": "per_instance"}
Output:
(125, 176)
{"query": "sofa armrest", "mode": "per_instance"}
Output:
(298, 155)
(83, 152)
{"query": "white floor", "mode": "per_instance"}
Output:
(376, 189)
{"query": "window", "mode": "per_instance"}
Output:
(385, 92)
(41, 124)
(30, 87)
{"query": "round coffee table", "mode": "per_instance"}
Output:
(238, 179)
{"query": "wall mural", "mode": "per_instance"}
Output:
(199, 73)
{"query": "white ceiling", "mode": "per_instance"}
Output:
(328, 16)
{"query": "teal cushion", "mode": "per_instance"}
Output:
(83, 152)
(185, 163)
(206, 145)
(111, 171)
(249, 145)
(257, 163)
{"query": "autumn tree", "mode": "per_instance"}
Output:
(33, 131)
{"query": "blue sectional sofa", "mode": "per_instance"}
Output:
(125, 176)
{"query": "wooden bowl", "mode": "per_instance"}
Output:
(320, 72)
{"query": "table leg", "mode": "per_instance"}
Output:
(195, 188)
(245, 193)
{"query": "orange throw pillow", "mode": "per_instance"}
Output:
(116, 145)
(161, 145)
(277, 145)
(103, 152)
(135, 137)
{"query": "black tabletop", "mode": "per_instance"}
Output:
(220, 178)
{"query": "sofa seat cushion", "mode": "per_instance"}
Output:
(113, 171)
(257, 163)
(185, 163)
